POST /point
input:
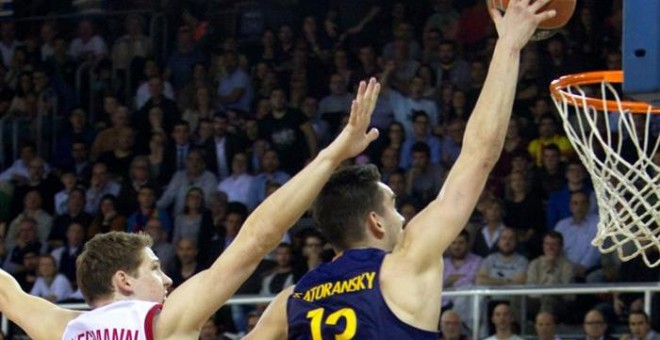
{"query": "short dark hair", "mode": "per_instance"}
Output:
(556, 235)
(464, 233)
(345, 202)
(552, 147)
(639, 312)
(421, 147)
(419, 113)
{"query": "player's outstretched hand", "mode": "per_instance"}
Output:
(354, 138)
(520, 21)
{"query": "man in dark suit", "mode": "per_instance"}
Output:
(221, 149)
(174, 157)
(169, 107)
(595, 326)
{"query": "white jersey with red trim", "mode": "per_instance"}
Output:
(122, 320)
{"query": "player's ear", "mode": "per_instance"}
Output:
(123, 283)
(375, 225)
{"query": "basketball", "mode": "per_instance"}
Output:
(547, 28)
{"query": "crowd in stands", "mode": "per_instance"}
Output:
(183, 145)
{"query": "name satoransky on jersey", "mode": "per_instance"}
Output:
(109, 334)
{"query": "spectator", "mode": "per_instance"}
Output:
(221, 149)
(26, 242)
(8, 42)
(88, 45)
(237, 185)
(139, 175)
(461, 267)
(312, 252)
(186, 264)
(65, 256)
(367, 69)
(165, 251)
(505, 267)
(156, 154)
(28, 276)
(158, 99)
(119, 160)
(76, 131)
(202, 108)
(545, 326)
(106, 139)
(270, 164)
(234, 87)
(194, 175)
(282, 275)
(194, 218)
(548, 135)
(558, 202)
(453, 142)
(421, 133)
(389, 163)
(289, 132)
(451, 68)
(337, 103)
(40, 179)
(32, 210)
(397, 182)
(549, 176)
(552, 268)
(100, 185)
(62, 68)
(107, 218)
(514, 143)
(485, 242)
(596, 326)
(444, 18)
(524, 212)
(423, 179)
(640, 327)
(148, 88)
(578, 231)
(181, 62)
(502, 318)
(18, 172)
(175, 155)
(450, 326)
(131, 46)
(147, 210)
(50, 284)
(75, 214)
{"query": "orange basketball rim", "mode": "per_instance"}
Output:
(558, 89)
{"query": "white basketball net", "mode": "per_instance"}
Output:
(628, 194)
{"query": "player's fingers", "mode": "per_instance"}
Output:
(360, 91)
(543, 16)
(496, 15)
(352, 118)
(372, 134)
(538, 4)
(368, 93)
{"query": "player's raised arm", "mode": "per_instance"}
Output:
(429, 234)
(190, 305)
(39, 318)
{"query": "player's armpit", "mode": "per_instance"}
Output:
(39, 318)
(273, 323)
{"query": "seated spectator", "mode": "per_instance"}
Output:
(164, 250)
(237, 185)
(32, 210)
(269, 172)
(336, 103)
(421, 133)
(549, 176)
(100, 185)
(119, 160)
(106, 139)
(281, 276)
(595, 326)
(633, 271)
(168, 107)
(548, 135)
(558, 201)
(139, 175)
(451, 326)
(389, 163)
(514, 143)
(452, 68)
(175, 154)
(461, 267)
(312, 251)
(453, 142)
(78, 129)
(132, 45)
(578, 231)
(107, 218)
(194, 175)
(148, 88)
(76, 214)
(39, 179)
(26, 241)
(640, 327)
(69, 181)
(524, 213)
(221, 147)
(50, 284)
(423, 179)
(545, 326)
(202, 108)
(186, 264)
(66, 255)
(234, 87)
(505, 267)
(147, 210)
(80, 164)
(397, 182)
(88, 45)
(502, 318)
(485, 242)
(551, 268)
(195, 217)
(182, 60)
(28, 276)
